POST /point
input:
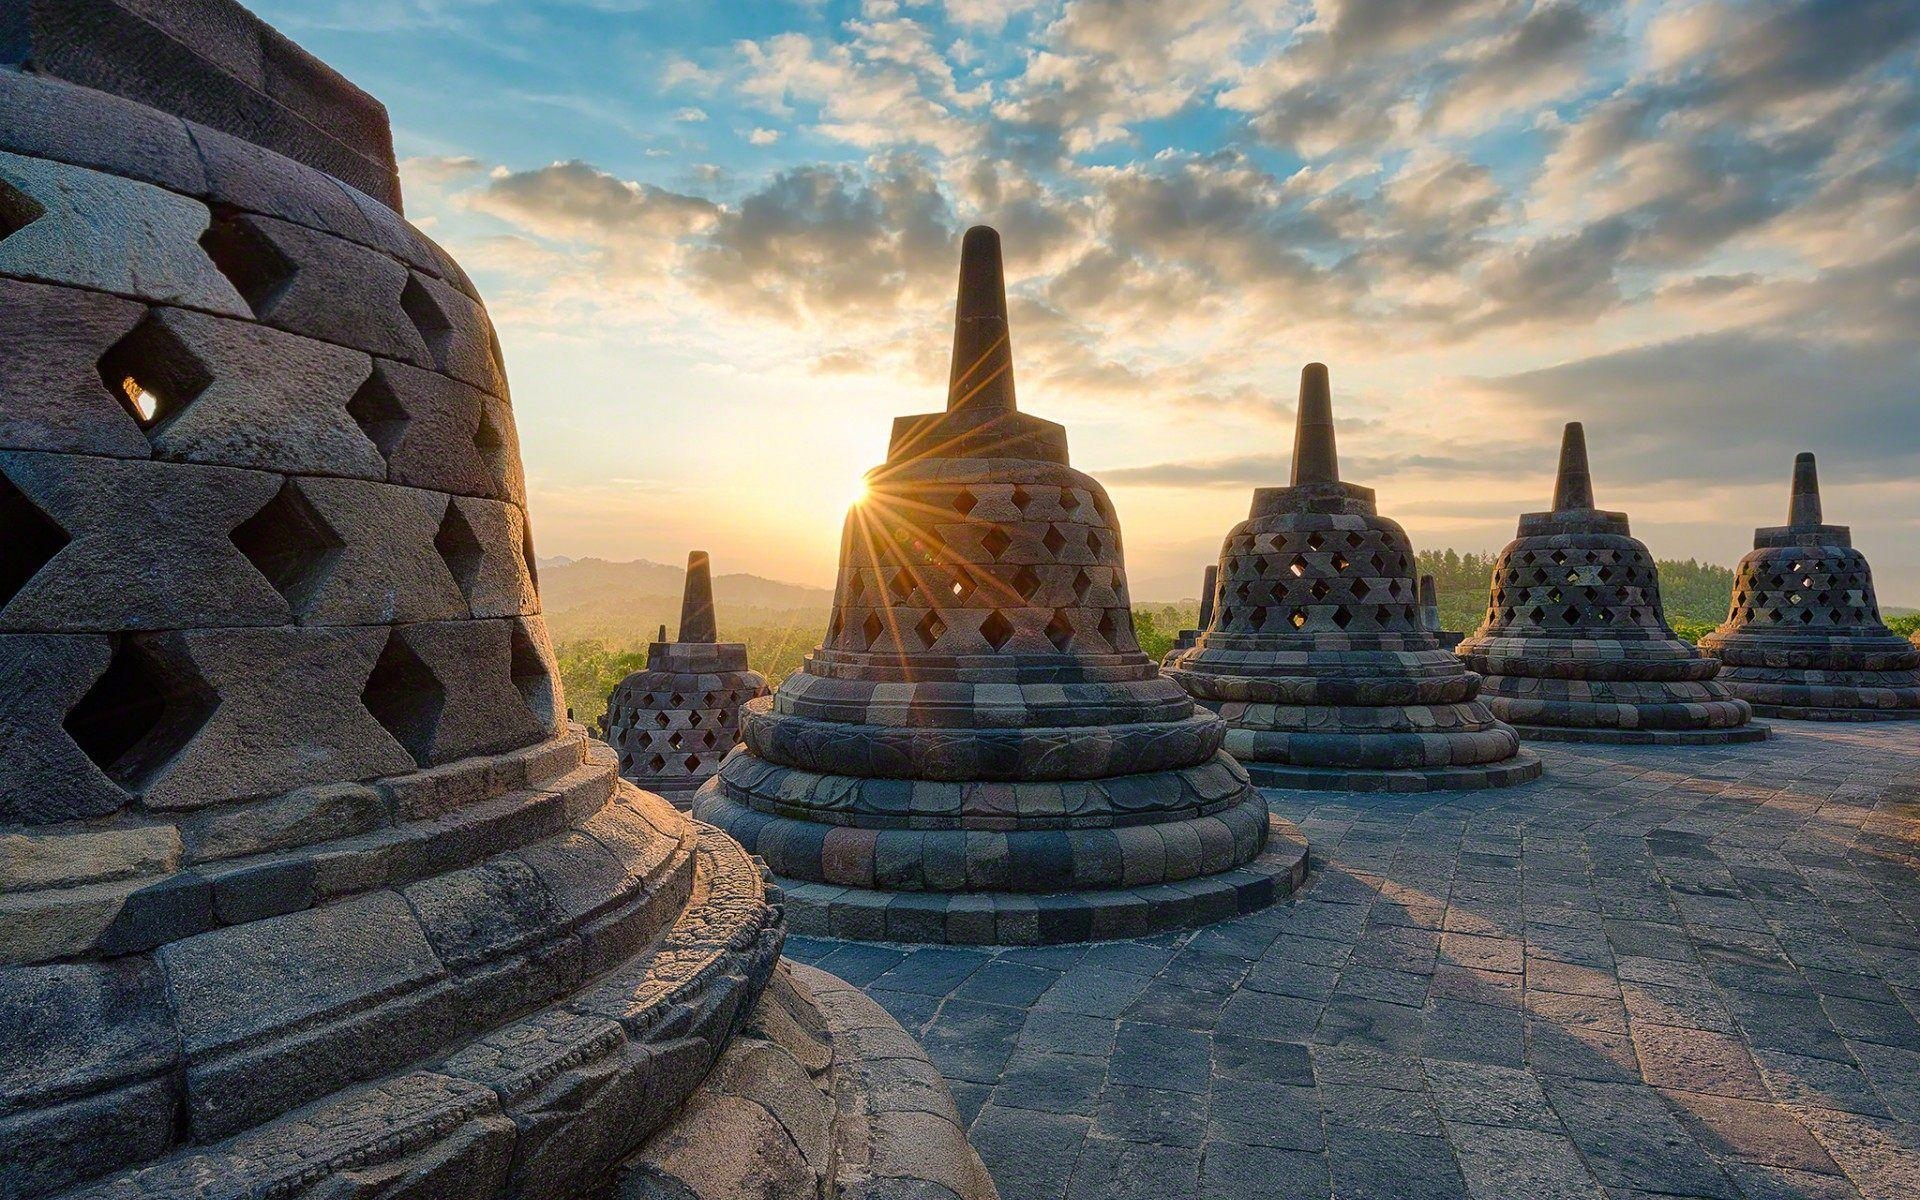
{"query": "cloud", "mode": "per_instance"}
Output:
(690, 115)
(763, 137)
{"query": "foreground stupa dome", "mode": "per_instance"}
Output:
(980, 752)
(306, 886)
(674, 722)
(1803, 637)
(1317, 655)
(1575, 646)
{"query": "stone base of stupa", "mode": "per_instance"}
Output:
(820, 1093)
(1366, 719)
(1816, 677)
(1751, 731)
(1523, 767)
(1009, 863)
(1051, 918)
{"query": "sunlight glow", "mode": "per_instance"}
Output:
(145, 403)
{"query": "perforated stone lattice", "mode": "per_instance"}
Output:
(1348, 581)
(946, 571)
(1815, 589)
(1576, 589)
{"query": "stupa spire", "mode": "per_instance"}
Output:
(1803, 510)
(1315, 458)
(696, 603)
(1573, 487)
(1208, 585)
(982, 375)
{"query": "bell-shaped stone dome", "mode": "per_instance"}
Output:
(1317, 656)
(673, 723)
(1803, 637)
(307, 887)
(1575, 646)
(980, 752)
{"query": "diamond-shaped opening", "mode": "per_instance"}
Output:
(460, 549)
(1315, 541)
(1340, 562)
(152, 374)
(1082, 584)
(657, 763)
(250, 261)
(531, 678)
(693, 719)
(1114, 629)
(1060, 631)
(660, 719)
(1093, 542)
(142, 710)
(691, 762)
(1806, 616)
(674, 741)
(1298, 565)
(17, 210)
(709, 739)
(964, 501)
(1054, 541)
(855, 586)
(1319, 589)
(405, 696)
(1354, 540)
(1026, 582)
(963, 586)
(901, 585)
(29, 539)
(1342, 616)
(376, 410)
(1382, 615)
(929, 629)
(491, 443)
(1020, 498)
(1068, 501)
(291, 544)
(872, 628)
(425, 313)
(996, 629)
(996, 541)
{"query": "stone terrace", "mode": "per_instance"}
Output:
(1657, 972)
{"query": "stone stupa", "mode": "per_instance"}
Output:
(673, 723)
(307, 888)
(1185, 638)
(1803, 636)
(1317, 656)
(980, 752)
(1575, 646)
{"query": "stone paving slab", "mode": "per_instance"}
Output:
(1658, 972)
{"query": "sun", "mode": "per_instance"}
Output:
(859, 494)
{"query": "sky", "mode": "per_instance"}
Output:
(719, 241)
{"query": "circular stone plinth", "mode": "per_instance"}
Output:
(1049, 918)
(1523, 767)
(1836, 714)
(1752, 731)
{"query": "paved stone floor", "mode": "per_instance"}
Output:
(1657, 972)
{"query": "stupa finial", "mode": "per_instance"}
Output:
(696, 604)
(1803, 510)
(982, 374)
(1315, 460)
(1573, 487)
